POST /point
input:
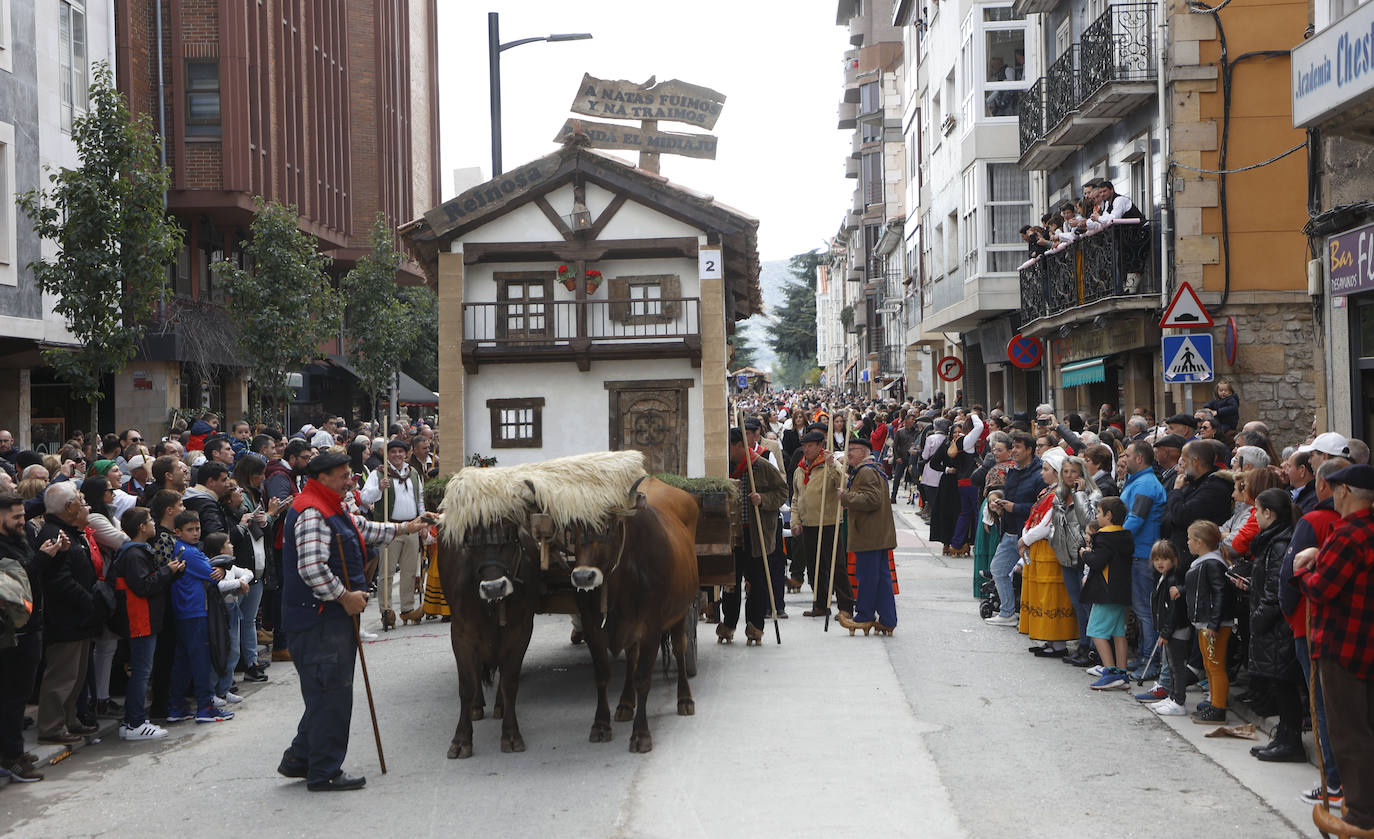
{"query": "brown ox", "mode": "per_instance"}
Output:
(646, 561)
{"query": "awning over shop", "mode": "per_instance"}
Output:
(849, 366)
(1085, 372)
(889, 386)
(411, 392)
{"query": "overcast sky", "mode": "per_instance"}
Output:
(778, 62)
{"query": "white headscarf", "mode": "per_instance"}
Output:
(1054, 458)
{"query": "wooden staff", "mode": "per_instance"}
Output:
(829, 450)
(835, 539)
(367, 682)
(767, 574)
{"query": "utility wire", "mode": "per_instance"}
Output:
(1273, 159)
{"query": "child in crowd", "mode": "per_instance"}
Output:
(1170, 612)
(191, 667)
(142, 586)
(1107, 587)
(233, 587)
(1211, 610)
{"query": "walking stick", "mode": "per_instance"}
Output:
(829, 449)
(367, 682)
(767, 574)
(834, 544)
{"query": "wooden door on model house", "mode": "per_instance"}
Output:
(651, 417)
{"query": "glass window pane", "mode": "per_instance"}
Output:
(1006, 55)
(202, 75)
(1004, 13)
(1007, 182)
(202, 106)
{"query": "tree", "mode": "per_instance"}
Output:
(744, 350)
(283, 304)
(422, 363)
(794, 333)
(381, 327)
(114, 240)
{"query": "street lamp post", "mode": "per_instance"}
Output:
(494, 50)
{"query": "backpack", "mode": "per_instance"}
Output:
(16, 601)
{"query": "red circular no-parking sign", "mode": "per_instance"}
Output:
(949, 368)
(1025, 351)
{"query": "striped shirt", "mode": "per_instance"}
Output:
(313, 540)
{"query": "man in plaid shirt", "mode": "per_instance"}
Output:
(1338, 579)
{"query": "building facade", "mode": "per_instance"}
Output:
(329, 106)
(47, 50)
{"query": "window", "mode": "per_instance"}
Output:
(870, 98)
(872, 172)
(524, 298)
(1009, 207)
(938, 250)
(202, 98)
(645, 299)
(952, 251)
(1003, 48)
(9, 273)
(517, 423)
(968, 247)
(6, 60)
(1140, 187)
(73, 71)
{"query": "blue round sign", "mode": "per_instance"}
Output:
(1231, 340)
(1025, 351)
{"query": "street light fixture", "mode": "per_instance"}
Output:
(494, 50)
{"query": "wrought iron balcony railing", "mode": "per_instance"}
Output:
(1117, 261)
(1031, 118)
(1118, 47)
(1061, 95)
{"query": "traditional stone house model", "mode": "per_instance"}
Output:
(577, 312)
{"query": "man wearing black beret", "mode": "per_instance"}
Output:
(816, 485)
(323, 589)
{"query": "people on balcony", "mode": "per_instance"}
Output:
(1035, 240)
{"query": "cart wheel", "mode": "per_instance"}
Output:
(986, 609)
(692, 618)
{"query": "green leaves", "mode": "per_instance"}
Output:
(114, 239)
(281, 300)
(794, 333)
(383, 325)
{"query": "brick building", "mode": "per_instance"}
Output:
(328, 105)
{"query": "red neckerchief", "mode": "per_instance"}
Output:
(96, 559)
(738, 471)
(329, 503)
(807, 467)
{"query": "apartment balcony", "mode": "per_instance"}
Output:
(851, 77)
(851, 167)
(891, 361)
(581, 331)
(1109, 271)
(1091, 86)
(849, 116)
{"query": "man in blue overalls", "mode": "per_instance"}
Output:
(323, 588)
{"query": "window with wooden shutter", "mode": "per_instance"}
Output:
(517, 423)
(647, 298)
(526, 304)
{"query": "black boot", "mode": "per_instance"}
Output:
(1279, 733)
(1286, 748)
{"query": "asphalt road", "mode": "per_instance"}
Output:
(946, 729)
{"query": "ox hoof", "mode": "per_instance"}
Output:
(624, 713)
(513, 744)
(601, 733)
(642, 743)
(459, 751)
(478, 713)
(686, 708)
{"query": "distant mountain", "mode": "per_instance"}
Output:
(773, 277)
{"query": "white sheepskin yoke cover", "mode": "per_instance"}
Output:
(581, 489)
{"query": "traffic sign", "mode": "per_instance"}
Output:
(742, 382)
(1185, 310)
(1025, 351)
(950, 368)
(1187, 358)
(1231, 341)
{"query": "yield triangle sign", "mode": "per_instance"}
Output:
(1185, 310)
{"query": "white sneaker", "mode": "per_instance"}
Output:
(998, 620)
(367, 636)
(147, 731)
(1096, 670)
(231, 698)
(218, 701)
(1168, 708)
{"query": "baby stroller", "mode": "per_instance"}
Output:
(991, 604)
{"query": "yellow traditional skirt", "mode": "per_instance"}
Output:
(1046, 610)
(434, 602)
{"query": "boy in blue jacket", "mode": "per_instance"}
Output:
(191, 666)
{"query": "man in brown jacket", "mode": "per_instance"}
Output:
(816, 487)
(871, 535)
(770, 492)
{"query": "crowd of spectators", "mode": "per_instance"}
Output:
(150, 569)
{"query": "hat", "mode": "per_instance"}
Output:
(856, 440)
(137, 461)
(1358, 476)
(100, 467)
(1170, 441)
(1182, 419)
(322, 463)
(397, 443)
(1329, 443)
(813, 437)
(307, 428)
(1054, 458)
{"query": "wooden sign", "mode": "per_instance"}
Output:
(605, 135)
(491, 195)
(671, 101)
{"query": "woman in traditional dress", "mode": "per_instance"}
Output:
(1075, 507)
(1047, 614)
(941, 516)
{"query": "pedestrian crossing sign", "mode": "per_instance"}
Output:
(1187, 358)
